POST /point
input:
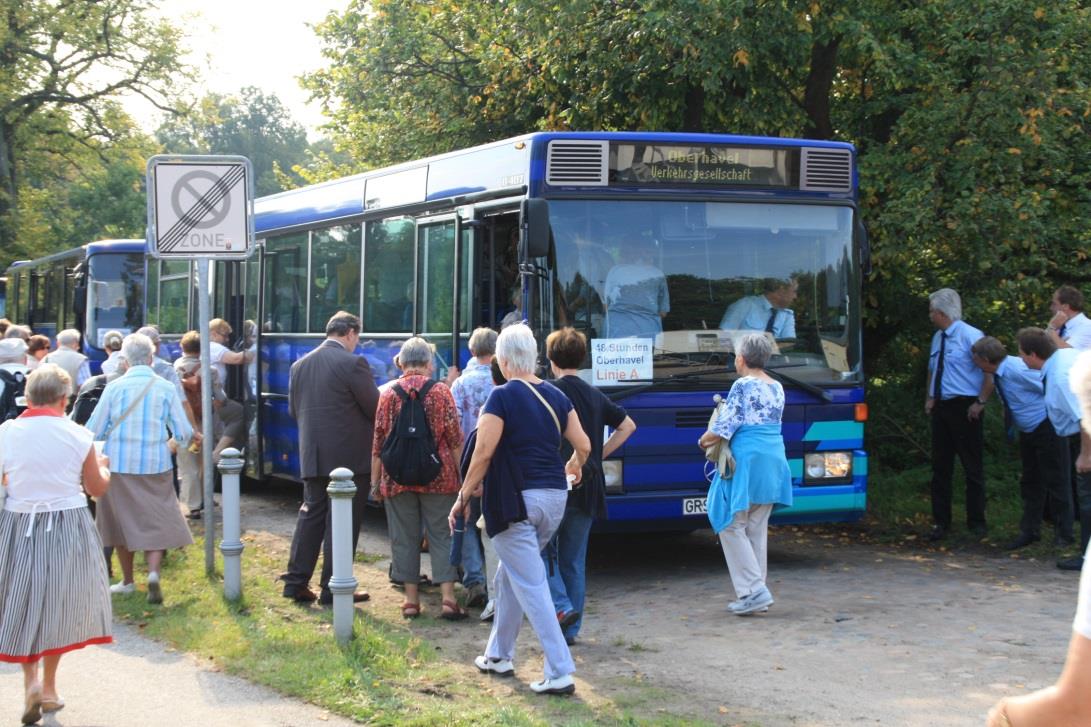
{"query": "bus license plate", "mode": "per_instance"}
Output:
(693, 506)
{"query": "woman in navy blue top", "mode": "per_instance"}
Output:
(522, 426)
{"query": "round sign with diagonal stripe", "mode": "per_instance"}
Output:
(200, 206)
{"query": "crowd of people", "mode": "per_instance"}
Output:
(496, 471)
(110, 441)
(965, 368)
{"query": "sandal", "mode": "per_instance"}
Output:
(52, 705)
(453, 612)
(410, 610)
(32, 704)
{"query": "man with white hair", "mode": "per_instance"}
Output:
(956, 396)
(13, 372)
(69, 358)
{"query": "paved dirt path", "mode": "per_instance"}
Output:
(136, 682)
(860, 634)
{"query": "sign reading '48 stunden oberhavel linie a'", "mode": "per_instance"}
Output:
(200, 207)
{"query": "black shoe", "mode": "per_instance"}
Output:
(1022, 541)
(300, 594)
(938, 533)
(1075, 563)
(326, 597)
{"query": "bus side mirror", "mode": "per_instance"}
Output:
(534, 219)
(863, 246)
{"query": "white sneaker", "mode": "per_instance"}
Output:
(759, 600)
(155, 590)
(734, 606)
(123, 588)
(489, 611)
(499, 667)
(559, 685)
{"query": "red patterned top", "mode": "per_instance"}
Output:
(439, 408)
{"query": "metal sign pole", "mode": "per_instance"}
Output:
(203, 305)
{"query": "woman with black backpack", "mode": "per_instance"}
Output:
(414, 471)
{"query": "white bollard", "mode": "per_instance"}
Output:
(343, 583)
(231, 546)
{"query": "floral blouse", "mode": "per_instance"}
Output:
(750, 401)
(439, 408)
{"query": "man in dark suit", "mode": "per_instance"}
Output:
(332, 397)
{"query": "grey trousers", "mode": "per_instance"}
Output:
(405, 514)
(745, 543)
(314, 533)
(522, 587)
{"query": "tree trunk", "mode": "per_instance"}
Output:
(816, 96)
(8, 187)
(695, 109)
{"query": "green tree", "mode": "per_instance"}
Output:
(970, 118)
(63, 65)
(253, 124)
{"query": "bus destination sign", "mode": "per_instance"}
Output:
(703, 165)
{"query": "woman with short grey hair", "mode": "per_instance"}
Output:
(757, 478)
(136, 416)
(517, 469)
(517, 350)
(52, 574)
(408, 504)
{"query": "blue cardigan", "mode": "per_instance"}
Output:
(502, 501)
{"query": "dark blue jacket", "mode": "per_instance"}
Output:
(502, 501)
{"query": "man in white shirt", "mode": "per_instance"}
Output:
(769, 312)
(1069, 327)
(13, 355)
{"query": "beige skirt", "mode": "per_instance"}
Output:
(140, 512)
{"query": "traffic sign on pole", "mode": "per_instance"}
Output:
(200, 206)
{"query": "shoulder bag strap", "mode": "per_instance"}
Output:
(131, 407)
(545, 403)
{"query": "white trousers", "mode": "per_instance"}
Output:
(745, 548)
(522, 587)
(190, 486)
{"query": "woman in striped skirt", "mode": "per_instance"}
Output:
(54, 591)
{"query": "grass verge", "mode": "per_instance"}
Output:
(385, 676)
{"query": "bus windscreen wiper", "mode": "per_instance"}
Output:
(681, 376)
(786, 379)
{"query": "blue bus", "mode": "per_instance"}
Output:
(552, 227)
(93, 288)
(537, 224)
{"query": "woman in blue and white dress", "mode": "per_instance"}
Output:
(740, 503)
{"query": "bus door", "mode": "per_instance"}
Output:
(444, 287)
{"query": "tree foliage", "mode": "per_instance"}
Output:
(970, 118)
(63, 65)
(253, 124)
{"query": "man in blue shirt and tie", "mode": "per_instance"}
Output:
(1038, 351)
(1019, 389)
(956, 396)
(769, 312)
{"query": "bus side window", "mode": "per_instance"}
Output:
(285, 283)
(388, 276)
(335, 273)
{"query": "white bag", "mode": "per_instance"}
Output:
(719, 454)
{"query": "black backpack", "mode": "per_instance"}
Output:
(88, 399)
(409, 453)
(13, 400)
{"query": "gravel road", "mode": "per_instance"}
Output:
(860, 633)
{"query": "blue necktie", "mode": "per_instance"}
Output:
(1009, 420)
(772, 320)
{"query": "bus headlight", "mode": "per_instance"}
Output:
(826, 466)
(611, 470)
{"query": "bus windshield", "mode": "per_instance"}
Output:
(689, 277)
(115, 294)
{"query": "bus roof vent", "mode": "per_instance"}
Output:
(578, 161)
(826, 170)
